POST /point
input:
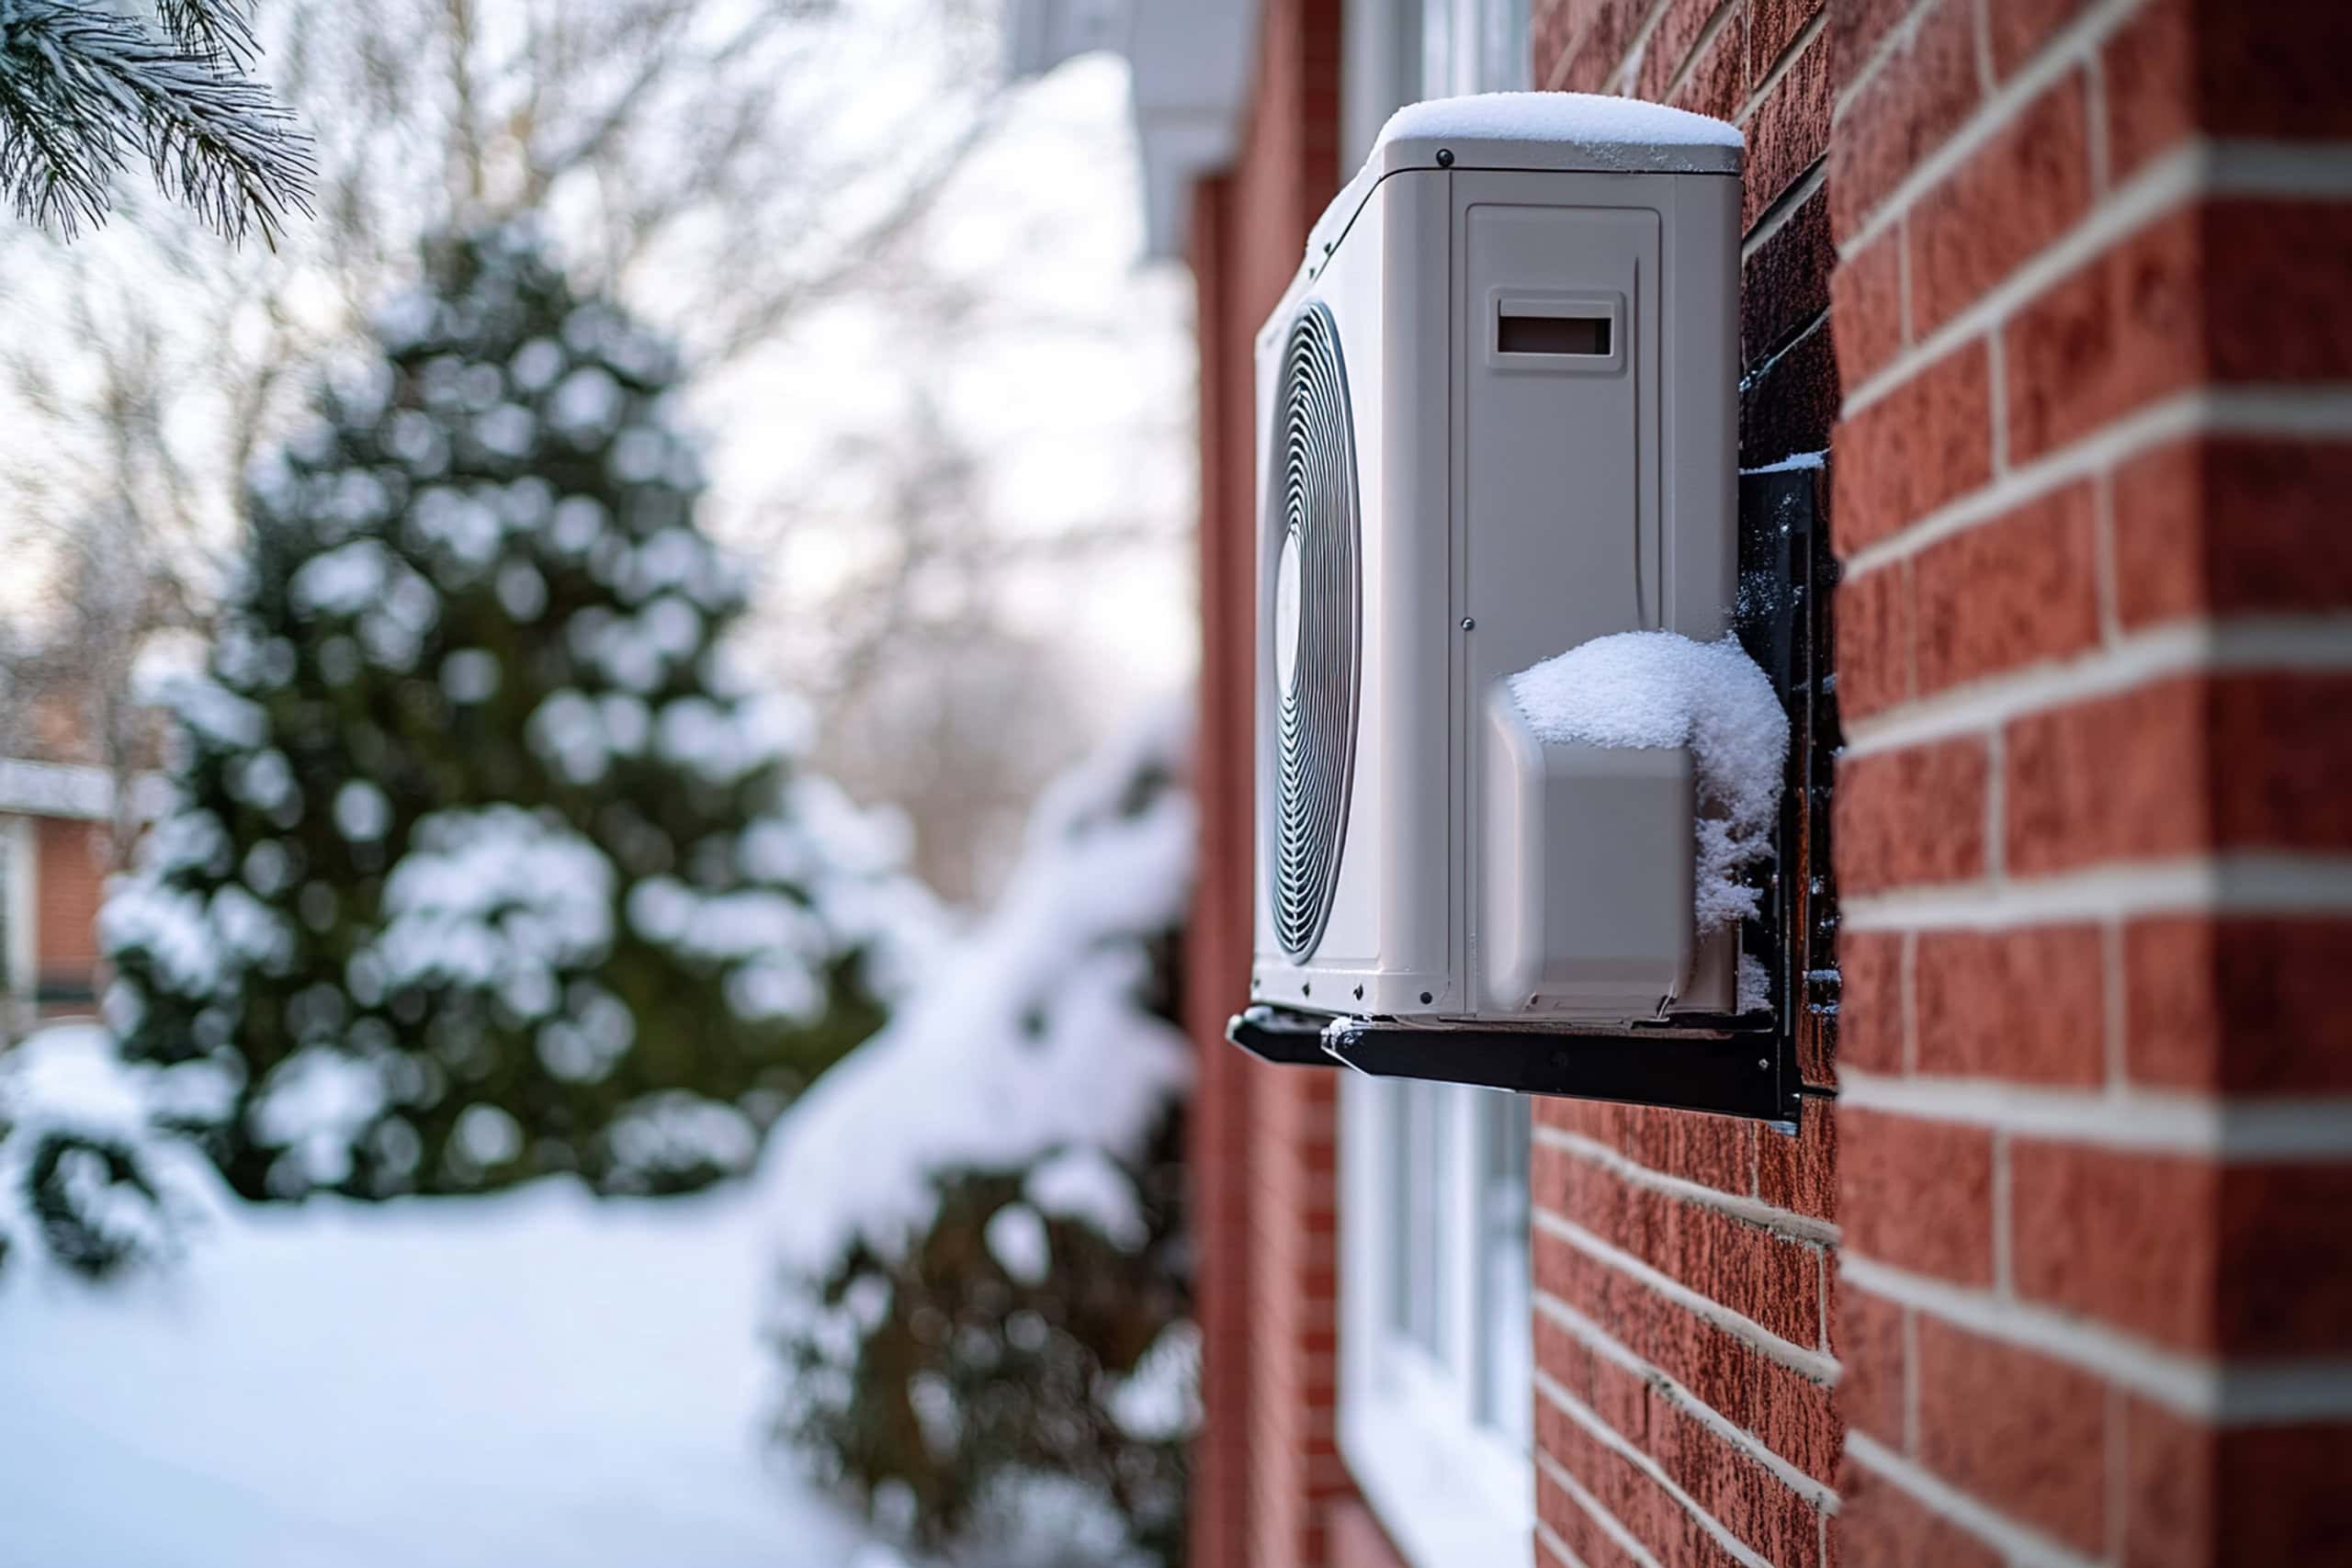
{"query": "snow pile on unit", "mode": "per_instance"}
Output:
(1589, 119)
(1660, 689)
(1028, 1041)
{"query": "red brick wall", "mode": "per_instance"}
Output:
(2095, 324)
(1269, 1489)
(1686, 1266)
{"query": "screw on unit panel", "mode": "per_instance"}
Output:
(1444, 158)
(1763, 1063)
(1425, 997)
(1468, 622)
(1358, 993)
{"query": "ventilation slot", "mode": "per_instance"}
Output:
(1321, 613)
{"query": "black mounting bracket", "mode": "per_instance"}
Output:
(1739, 1073)
(1753, 1065)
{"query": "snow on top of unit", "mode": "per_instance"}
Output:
(1660, 689)
(1590, 120)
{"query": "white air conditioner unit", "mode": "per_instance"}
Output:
(1498, 415)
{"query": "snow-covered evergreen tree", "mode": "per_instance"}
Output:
(85, 84)
(985, 1273)
(482, 863)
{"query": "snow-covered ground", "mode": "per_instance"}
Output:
(536, 1378)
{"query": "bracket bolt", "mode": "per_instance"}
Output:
(1763, 1063)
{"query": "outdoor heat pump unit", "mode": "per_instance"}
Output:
(1496, 417)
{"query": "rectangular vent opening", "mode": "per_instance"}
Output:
(1552, 334)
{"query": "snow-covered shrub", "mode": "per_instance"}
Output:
(983, 1314)
(482, 862)
(91, 1177)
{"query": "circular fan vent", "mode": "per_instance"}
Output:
(1317, 625)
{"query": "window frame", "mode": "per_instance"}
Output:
(1447, 1488)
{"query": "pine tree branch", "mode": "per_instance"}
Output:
(82, 86)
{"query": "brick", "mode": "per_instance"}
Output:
(2017, 29)
(1618, 1395)
(2234, 290)
(2238, 1005)
(2027, 1004)
(1856, 30)
(2013, 196)
(1603, 29)
(1784, 285)
(2275, 289)
(2281, 746)
(1551, 29)
(1789, 130)
(1577, 1531)
(1869, 1349)
(2195, 1496)
(1873, 630)
(1793, 1415)
(2020, 1431)
(1911, 817)
(1882, 1526)
(2117, 333)
(1598, 1119)
(2232, 525)
(2271, 71)
(1870, 1026)
(1867, 289)
(1773, 26)
(1713, 1151)
(1769, 1278)
(1909, 106)
(2020, 589)
(1788, 404)
(1717, 85)
(1799, 1173)
(1925, 443)
(2243, 1260)
(2114, 778)
(1735, 1490)
(1630, 1495)
(1679, 30)
(1917, 1195)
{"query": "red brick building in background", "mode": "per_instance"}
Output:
(56, 846)
(2064, 1273)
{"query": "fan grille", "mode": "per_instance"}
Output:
(1315, 440)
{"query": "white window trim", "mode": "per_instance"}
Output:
(1447, 1490)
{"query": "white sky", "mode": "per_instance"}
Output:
(1075, 384)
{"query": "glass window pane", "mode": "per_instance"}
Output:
(1505, 1352)
(1426, 1246)
(1505, 63)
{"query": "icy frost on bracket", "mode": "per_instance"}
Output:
(1660, 689)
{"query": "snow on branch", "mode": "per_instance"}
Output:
(82, 85)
